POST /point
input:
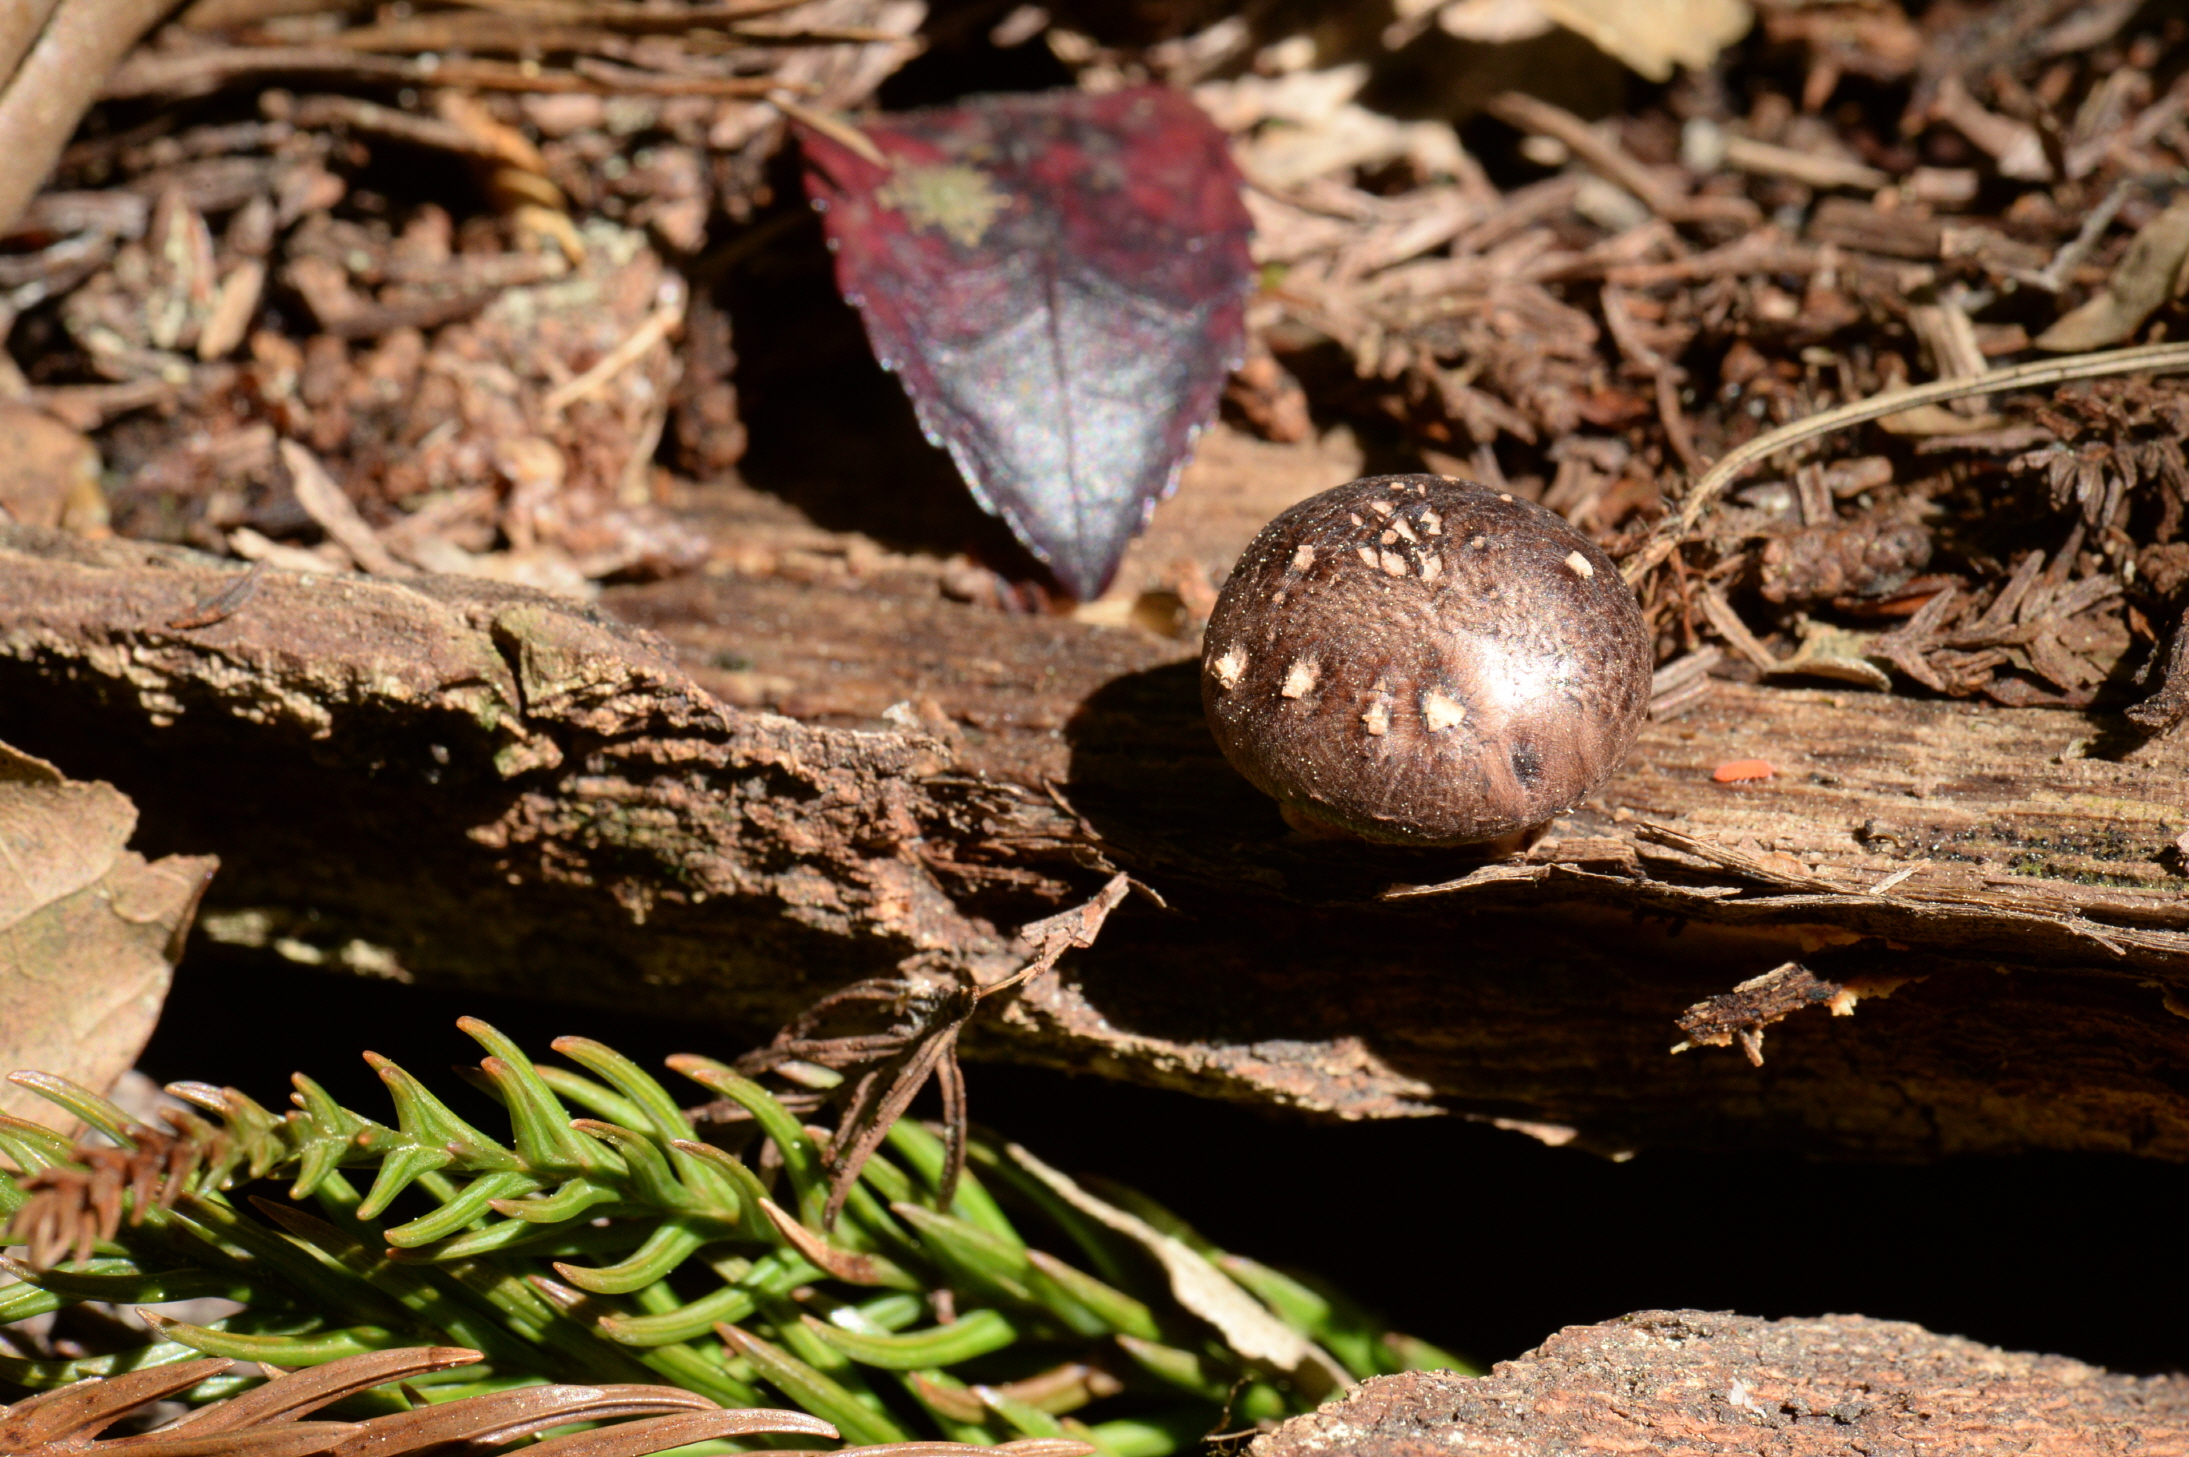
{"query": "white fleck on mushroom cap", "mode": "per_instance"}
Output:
(1425, 661)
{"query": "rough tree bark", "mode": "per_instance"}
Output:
(1689, 1381)
(471, 785)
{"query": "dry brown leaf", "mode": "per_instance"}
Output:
(1653, 36)
(89, 930)
(1492, 22)
(2144, 278)
(1246, 1325)
(49, 474)
(1832, 652)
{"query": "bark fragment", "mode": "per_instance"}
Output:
(1742, 1013)
(1692, 1381)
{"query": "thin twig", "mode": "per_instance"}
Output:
(2152, 358)
(197, 73)
(1609, 160)
(1614, 163)
(313, 113)
(2054, 275)
(20, 23)
(1811, 169)
(647, 19)
(55, 84)
(834, 129)
(651, 331)
(220, 15)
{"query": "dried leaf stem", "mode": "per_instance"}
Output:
(2151, 358)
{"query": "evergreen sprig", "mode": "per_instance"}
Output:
(616, 1246)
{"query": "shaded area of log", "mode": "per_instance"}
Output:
(477, 786)
(1695, 1382)
(454, 779)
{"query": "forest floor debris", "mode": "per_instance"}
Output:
(464, 266)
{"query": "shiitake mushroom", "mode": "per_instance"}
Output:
(1420, 660)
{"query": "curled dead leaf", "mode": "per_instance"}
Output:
(89, 930)
(1651, 36)
(2148, 274)
(1247, 1326)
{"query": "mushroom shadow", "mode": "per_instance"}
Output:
(1286, 937)
(1283, 957)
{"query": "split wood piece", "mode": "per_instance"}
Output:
(485, 788)
(1695, 1381)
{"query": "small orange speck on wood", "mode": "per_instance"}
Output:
(1742, 771)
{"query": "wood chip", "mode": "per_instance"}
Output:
(325, 503)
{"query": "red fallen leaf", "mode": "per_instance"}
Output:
(1060, 281)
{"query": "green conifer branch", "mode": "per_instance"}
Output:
(599, 1241)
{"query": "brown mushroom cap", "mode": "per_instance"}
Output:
(1425, 661)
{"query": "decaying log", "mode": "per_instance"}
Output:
(475, 785)
(1690, 1381)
